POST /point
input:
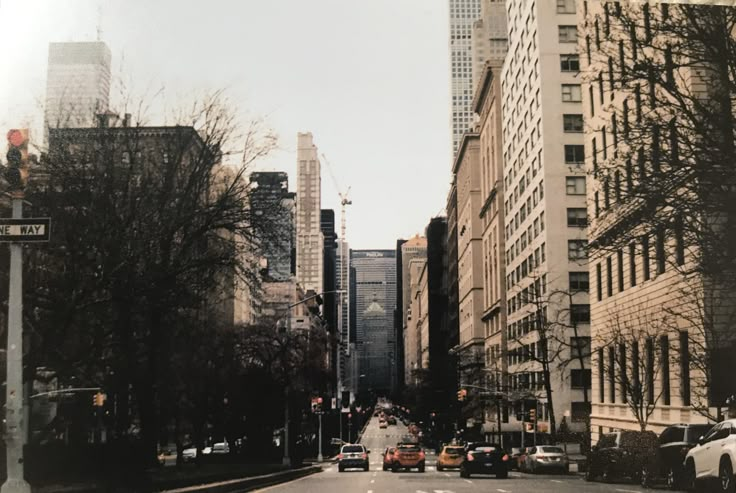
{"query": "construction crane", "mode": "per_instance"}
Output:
(344, 199)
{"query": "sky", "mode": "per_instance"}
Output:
(369, 79)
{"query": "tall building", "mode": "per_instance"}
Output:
(330, 306)
(374, 292)
(399, 319)
(272, 208)
(77, 84)
(463, 14)
(545, 206)
(416, 314)
(346, 377)
(662, 305)
(411, 249)
(490, 37)
(309, 238)
(487, 105)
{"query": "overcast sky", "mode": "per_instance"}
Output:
(368, 78)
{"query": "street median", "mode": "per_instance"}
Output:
(250, 483)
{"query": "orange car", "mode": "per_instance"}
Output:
(408, 456)
(388, 458)
(451, 456)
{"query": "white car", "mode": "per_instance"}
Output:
(189, 454)
(714, 457)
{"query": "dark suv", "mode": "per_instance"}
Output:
(667, 464)
(621, 454)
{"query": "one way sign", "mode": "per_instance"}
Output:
(24, 230)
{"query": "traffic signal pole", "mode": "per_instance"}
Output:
(15, 482)
(319, 441)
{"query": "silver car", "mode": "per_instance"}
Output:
(546, 458)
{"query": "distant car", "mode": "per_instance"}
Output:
(220, 448)
(515, 454)
(484, 458)
(667, 465)
(621, 455)
(388, 458)
(408, 456)
(189, 454)
(353, 456)
(391, 420)
(451, 456)
(382, 424)
(547, 458)
(713, 458)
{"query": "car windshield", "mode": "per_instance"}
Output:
(695, 432)
(551, 450)
(348, 449)
(454, 450)
(484, 448)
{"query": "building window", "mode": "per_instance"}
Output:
(579, 281)
(571, 93)
(664, 347)
(636, 382)
(574, 154)
(679, 242)
(579, 412)
(649, 371)
(617, 185)
(587, 47)
(577, 249)
(594, 145)
(624, 374)
(572, 123)
(579, 379)
(580, 314)
(612, 374)
(577, 217)
(579, 347)
(592, 100)
(609, 277)
(620, 255)
(684, 368)
(575, 185)
(629, 176)
(601, 377)
(565, 6)
(569, 63)
(632, 264)
(645, 256)
(659, 248)
(568, 34)
(599, 281)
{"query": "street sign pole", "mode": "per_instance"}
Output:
(319, 441)
(15, 482)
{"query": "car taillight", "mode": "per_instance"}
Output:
(470, 457)
(364, 455)
(421, 454)
(540, 456)
(339, 456)
(505, 457)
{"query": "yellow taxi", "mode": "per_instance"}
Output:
(451, 456)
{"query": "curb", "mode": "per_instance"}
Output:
(249, 484)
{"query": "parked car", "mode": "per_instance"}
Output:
(382, 423)
(353, 456)
(667, 465)
(546, 458)
(451, 456)
(391, 420)
(220, 448)
(713, 458)
(388, 458)
(621, 454)
(189, 454)
(408, 456)
(484, 458)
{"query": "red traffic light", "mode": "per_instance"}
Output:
(319, 400)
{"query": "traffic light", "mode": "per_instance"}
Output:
(532, 415)
(98, 400)
(462, 394)
(16, 172)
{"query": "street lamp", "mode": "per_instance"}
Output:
(286, 459)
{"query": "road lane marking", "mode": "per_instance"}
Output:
(628, 491)
(558, 481)
(469, 481)
(375, 474)
(373, 481)
(447, 475)
(503, 491)
(329, 469)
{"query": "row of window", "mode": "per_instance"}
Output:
(529, 294)
(645, 250)
(632, 375)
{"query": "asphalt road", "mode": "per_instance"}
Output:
(431, 481)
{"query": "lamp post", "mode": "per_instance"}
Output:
(287, 459)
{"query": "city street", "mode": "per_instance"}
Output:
(431, 481)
